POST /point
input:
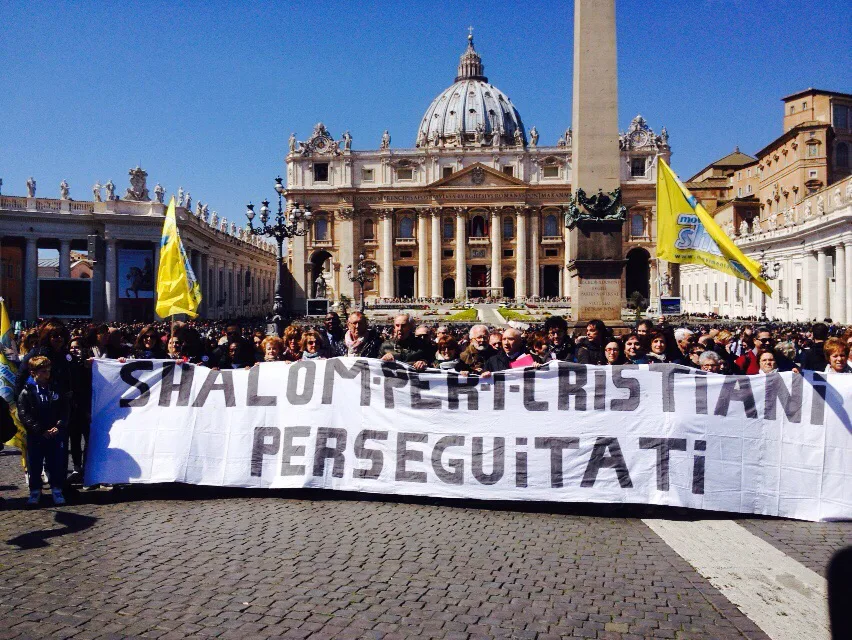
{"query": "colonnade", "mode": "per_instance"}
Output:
(429, 251)
(222, 281)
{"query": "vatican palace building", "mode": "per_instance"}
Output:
(475, 209)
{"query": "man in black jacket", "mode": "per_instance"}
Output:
(560, 346)
(404, 346)
(360, 341)
(813, 357)
(511, 348)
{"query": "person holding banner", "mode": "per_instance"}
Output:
(404, 346)
(360, 340)
(512, 349)
(837, 355)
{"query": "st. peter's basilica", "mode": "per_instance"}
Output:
(475, 209)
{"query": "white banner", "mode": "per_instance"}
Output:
(776, 445)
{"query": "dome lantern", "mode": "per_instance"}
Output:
(470, 64)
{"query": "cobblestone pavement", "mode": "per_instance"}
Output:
(175, 562)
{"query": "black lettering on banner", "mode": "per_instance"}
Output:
(700, 392)
(417, 400)
(556, 446)
(631, 402)
(499, 380)
(820, 387)
(698, 468)
(168, 386)
(373, 455)
(736, 389)
(211, 384)
(663, 447)
(336, 366)
(520, 463)
(567, 388)
(323, 452)
(404, 454)
(790, 399)
(293, 395)
(252, 399)
(462, 385)
(396, 377)
(599, 460)
(126, 374)
(289, 450)
(455, 473)
(260, 447)
(498, 461)
(669, 371)
(600, 390)
(530, 403)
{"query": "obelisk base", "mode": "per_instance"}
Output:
(595, 272)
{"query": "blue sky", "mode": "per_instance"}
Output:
(204, 95)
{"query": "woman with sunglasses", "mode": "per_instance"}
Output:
(313, 347)
(149, 345)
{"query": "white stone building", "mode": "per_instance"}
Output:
(812, 244)
(236, 271)
(475, 208)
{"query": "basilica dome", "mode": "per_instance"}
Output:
(471, 112)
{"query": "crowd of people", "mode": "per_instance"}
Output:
(53, 389)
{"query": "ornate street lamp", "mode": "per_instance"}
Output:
(361, 273)
(767, 273)
(286, 226)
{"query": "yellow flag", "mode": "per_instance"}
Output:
(177, 289)
(8, 377)
(686, 233)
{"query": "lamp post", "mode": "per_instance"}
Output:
(361, 273)
(767, 273)
(286, 226)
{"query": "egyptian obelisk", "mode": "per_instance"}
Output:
(594, 253)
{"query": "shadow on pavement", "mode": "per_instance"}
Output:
(71, 523)
(190, 493)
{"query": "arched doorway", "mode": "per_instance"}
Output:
(321, 266)
(508, 287)
(638, 273)
(448, 291)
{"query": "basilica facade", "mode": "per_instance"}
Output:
(475, 209)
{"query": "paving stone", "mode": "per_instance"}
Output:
(176, 561)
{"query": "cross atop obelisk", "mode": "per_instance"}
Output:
(593, 250)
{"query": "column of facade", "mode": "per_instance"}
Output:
(822, 287)
(346, 242)
(386, 253)
(461, 248)
(31, 279)
(111, 279)
(655, 282)
(535, 271)
(202, 280)
(423, 254)
(435, 246)
(64, 258)
(848, 249)
(496, 249)
(215, 290)
(838, 312)
(301, 291)
(521, 253)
